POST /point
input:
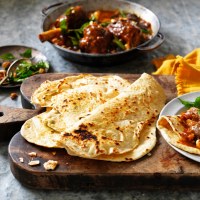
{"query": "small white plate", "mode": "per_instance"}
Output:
(175, 107)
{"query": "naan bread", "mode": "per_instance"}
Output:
(170, 127)
(104, 118)
(43, 95)
(77, 103)
(67, 101)
(37, 132)
(147, 142)
(115, 126)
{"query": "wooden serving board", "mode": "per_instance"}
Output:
(162, 168)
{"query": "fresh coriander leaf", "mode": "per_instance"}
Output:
(74, 40)
(7, 56)
(197, 102)
(78, 33)
(26, 69)
(84, 26)
(122, 13)
(63, 26)
(27, 53)
(145, 31)
(93, 18)
(42, 64)
(78, 36)
(104, 24)
(187, 104)
(68, 11)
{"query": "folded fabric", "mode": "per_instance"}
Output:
(186, 70)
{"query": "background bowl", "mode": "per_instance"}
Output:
(52, 12)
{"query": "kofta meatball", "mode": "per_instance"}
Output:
(126, 31)
(96, 39)
(75, 18)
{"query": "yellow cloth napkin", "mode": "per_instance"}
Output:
(186, 70)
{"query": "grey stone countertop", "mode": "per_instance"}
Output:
(20, 23)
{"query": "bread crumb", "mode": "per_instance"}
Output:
(50, 164)
(32, 154)
(34, 162)
(21, 159)
(13, 95)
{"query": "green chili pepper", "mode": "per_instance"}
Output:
(119, 43)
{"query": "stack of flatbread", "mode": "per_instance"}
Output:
(104, 118)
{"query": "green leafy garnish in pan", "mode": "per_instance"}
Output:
(119, 43)
(189, 104)
(78, 33)
(63, 26)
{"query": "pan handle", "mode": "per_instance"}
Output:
(45, 10)
(159, 40)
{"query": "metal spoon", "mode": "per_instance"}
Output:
(12, 68)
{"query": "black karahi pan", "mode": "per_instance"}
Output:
(52, 12)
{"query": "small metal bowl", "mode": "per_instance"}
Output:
(50, 15)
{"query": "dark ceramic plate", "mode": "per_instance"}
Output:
(16, 50)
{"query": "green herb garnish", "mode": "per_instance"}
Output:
(81, 29)
(189, 104)
(93, 18)
(27, 53)
(63, 26)
(7, 56)
(145, 31)
(26, 69)
(74, 40)
(122, 13)
(119, 43)
(78, 32)
(104, 24)
(68, 11)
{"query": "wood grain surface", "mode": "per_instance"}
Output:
(162, 168)
(11, 120)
